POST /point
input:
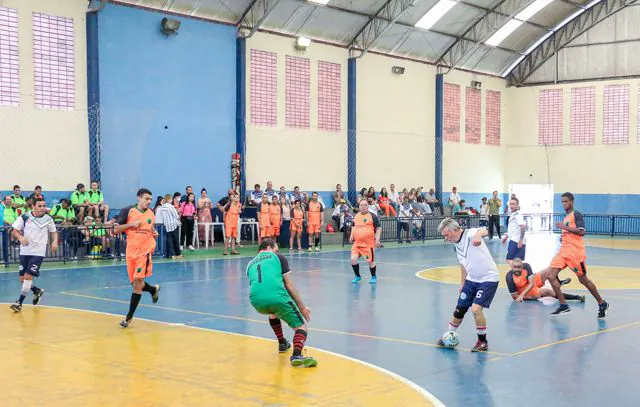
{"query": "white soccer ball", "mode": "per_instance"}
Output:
(451, 339)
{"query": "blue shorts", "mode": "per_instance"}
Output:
(30, 265)
(477, 293)
(513, 251)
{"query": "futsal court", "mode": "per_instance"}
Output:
(203, 344)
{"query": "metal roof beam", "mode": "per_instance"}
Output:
(480, 31)
(500, 13)
(563, 36)
(378, 24)
(254, 16)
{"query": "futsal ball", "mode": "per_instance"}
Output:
(451, 339)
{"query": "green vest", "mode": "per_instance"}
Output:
(10, 214)
(78, 198)
(94, 196)
(65, 214)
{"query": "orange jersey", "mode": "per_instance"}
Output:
(571, 242)
(517, 284)
(264, 217)
(275, 214)
(297, 217)
(140, 240)
(364, 229)
(232, 214)
(315, 209)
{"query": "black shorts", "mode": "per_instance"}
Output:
(30, 265)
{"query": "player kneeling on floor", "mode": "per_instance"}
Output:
(272, 293)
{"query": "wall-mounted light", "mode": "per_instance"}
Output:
(398, 70)
(302, 43)
(169, 27)
(476, 84)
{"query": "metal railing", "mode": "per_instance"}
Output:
(426, 227)
(79, 243)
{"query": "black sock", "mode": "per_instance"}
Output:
(571, 296)
(21, 300)
(149, 288)
(373, 271)
(356, 269)
(317, 241)
(135, 300)
(482, 337)
(35, 289)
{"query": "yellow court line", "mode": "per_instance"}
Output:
(382, 338)
(575, 338)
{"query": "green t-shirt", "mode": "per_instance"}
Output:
(65, 214)
(18, 200)
(95, 197)
(78, 198)
(494, 206)
(10, 214)
(266, 273)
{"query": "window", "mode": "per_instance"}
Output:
(264, 88)
(329, 96)
(550, 112)
(54, 60)
(473, 116)
(9, 63)
(583, 115)
(298, 89)
(451, 112)
(615, 128)
(492, 117)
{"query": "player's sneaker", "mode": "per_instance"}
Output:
(309, 249)
(480, 346)
(317, 248)
(562, 309)
(303, 361)
(374, 280)
(17, 307)
(155, 296)
(356, 280)
(565, 281)
(583, 298)
(37, 296)
(439, 342)
(285, 346)
(602, 309)
(125, 323)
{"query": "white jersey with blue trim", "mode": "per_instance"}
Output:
(36, 231)
(476, 260)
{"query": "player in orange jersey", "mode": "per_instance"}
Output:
(572, 254)
(524, 284)
(315, 219)
(297, 219)
(275, 217)
(137, 222)
(231, 213)
(365, 235)
(264, 218)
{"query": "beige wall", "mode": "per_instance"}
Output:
(602, 169)
(289, 156)
(50, 147)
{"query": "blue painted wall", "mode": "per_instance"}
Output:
(167, 104)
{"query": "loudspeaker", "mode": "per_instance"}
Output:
(399, 70)
(169, 27)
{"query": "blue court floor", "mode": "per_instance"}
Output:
(535, 359)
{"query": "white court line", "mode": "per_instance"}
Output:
(423, 392)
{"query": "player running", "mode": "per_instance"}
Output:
(365, 235)
(479, 277)
(137, 222)
(523, 284)
(32, 230)
(572, 254)
(272, 293)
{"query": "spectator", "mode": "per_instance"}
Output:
(286, 209)
(484, 212)
(432, 201)
(373, 206)
(62, 213)
(405, 212)
(9, 214)
(188, 190)
(256, 195)
(96, 201)
(494, 214)
(37, 193)
(188, 212)
(362, 195)
(421, 203)
(454, 197)
(80, 202)
(338, 196)
(177, 198)
(394, 197)
(171, 220)
(283, 195)
(17, 200)
(371, 193)
(204, 215)
(338, 211)
(270, 192)
(159, 202)
(384, 203)
(299, 196)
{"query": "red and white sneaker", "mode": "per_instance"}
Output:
(480, 347)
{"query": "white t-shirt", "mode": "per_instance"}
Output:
(476, 259)
(36, 231)
(515, 221)
(454, 199)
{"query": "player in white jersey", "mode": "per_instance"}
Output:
(479, 277)
(32, 231)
